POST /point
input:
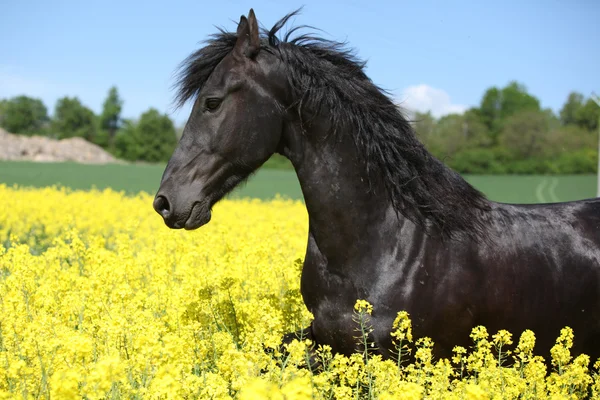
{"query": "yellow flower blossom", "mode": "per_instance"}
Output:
(363, 306)
(402, 327)
(99, 299)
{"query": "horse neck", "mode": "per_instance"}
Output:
(347, 208)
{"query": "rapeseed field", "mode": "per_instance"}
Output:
(100, 300)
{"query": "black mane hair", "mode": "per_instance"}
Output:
(325, 75)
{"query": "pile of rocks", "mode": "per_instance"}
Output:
(39, 148)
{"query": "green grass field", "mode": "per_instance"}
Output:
(266, 183)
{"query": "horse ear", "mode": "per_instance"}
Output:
(253, 27)
(248, 42)
(242, 28)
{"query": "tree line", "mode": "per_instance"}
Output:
(508, 132)
(151, 138)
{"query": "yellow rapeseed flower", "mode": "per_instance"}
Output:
(99, 299)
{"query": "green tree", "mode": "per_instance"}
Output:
(157, 134)
(454, 133)
(568, 139)
(73, 119)
(499, 104)
(424, 125)
(126, 140)
(516, 99)
(526, 133)
(24, 115)
(3, 103)
(152, 138)
(490, 108)
(477, 133)
(587, 116)
(110, 119)
(569, 111)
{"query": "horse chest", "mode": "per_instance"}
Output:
(330, 292)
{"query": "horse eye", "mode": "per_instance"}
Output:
(212, 103)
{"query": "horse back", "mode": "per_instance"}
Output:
(542, 266)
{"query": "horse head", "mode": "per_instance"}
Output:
(234, 127)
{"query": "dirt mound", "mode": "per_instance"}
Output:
(39, 148)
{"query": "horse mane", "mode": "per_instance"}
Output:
(326, 75)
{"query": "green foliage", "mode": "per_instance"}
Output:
(152, 138)
(455, 133)
(515, 98)
(577, 162)
(125, 141)
(569, 139)
(3, 104)
(569, 111)
(73, 119)
(578, 111)
(524, 133)
(508, 132)
(110, 119)
(23, 115)
(588, 115)
(424, 124)
(499, 104)
(477, 161)
(490, 109)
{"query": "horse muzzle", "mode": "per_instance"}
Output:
(191, 218)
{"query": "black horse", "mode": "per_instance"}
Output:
(388, 222)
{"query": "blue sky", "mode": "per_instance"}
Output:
(438, 55)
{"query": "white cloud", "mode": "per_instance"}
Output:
(423, 98)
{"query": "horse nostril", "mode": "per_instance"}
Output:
(162, 206)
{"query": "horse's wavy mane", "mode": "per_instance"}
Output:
(327, 77)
